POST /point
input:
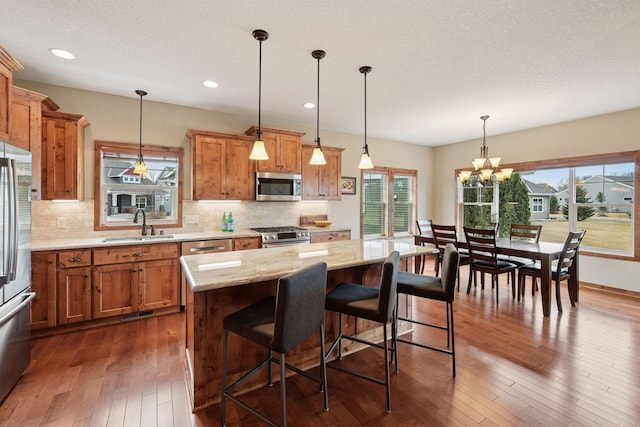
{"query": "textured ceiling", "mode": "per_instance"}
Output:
(437, 65)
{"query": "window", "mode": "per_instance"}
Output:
(594, 193)
(388, 207)
(119, 192)
(536, 204)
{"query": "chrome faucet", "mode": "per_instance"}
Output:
(144, 220)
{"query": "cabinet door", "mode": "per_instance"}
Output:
(310, 175)
(331, 176)
(60, 159)
(240, 177)
(290, 159)
(157, 284)
(208, 167)
(74, 295)
(6, 84)
(115, 290)
(43, 283)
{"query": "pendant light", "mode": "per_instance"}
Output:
(140, 167)
(317, 158)
(259, 152)
(365, 159)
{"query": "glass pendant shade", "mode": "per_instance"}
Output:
(140, 167)
(365, 159)
(317, 158)
(259, 152)
(506, 172)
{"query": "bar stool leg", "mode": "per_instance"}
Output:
(223, 402)
(323, 365)
(386, 369)
(283, 388)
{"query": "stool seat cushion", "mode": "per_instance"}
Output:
(421, 286)
(255, 322)
(355, 300)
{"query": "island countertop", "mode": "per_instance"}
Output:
(228, 269)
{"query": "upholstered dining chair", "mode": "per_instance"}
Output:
(370, 303)
(279, 324)
(483, 253)
(423, 227)
(559, 272)
(433, 288)
(443, 235)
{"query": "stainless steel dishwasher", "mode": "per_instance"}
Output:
(201, 247)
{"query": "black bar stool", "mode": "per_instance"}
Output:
(376, 305)
(436, 288)
(280, 323)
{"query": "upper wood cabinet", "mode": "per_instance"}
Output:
(283, 147)
(221, 166)
(321, 182)
(25, 129)
(62, 155)
(7, 66)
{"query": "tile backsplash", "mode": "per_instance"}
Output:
(69, 220)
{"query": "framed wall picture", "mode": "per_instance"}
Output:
(348, 185)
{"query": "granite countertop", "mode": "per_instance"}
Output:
(114, 240)
(226, 269)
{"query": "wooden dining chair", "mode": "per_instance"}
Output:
(483, 254)
(528, 232)
(423, 227)
(559, 272)
(442, 235)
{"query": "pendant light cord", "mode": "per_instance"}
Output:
(259, 133)
(365, 113)
(318, 106)
(140, 153)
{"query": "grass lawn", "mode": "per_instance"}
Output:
(610, 232)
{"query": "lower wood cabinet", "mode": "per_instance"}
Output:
(74, 286)
(245, 243)
(330, 236)
(122, 287)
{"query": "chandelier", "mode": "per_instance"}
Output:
(485, 166)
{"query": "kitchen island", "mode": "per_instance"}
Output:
(222, 283)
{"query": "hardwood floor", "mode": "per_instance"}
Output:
(514, 367)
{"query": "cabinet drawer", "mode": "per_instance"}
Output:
(80, 258)
(121, 254)
(330, 236)
(244, 243)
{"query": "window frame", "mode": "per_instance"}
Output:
(537, 204)
(131, 148)
(389, 202)
(588, 160)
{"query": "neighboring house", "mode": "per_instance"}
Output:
(539, 195)
(618, 190)
(127, 201)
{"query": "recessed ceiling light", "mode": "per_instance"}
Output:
(309, 105)
(61, 53)
(210, 83)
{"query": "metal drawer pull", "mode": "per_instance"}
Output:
(207, 248)
(75, 259)
(138, 254)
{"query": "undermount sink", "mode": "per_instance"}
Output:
(137, 238)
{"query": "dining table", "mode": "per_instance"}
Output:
(545, 252)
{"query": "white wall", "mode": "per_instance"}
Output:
(609, 133)
(116, 118)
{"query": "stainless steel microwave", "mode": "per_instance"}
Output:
(278, 187)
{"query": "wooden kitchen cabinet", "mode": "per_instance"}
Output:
(129, 279)
(221, 166)
(44, 283)
(25, 129)
(284, 149)
(62, 155)
(321, 182)
(330, 236)
(246, 243)
(74, 286)
(7, 66)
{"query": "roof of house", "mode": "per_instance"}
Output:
(539, 189)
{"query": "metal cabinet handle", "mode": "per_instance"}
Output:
(138, 254)
(75, 259)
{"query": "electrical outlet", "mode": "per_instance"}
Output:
(192, 219)
(61, 222)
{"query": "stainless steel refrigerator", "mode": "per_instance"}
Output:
(15, 265)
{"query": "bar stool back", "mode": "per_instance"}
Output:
(377, 305)
(435, 288)
(280, 323)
